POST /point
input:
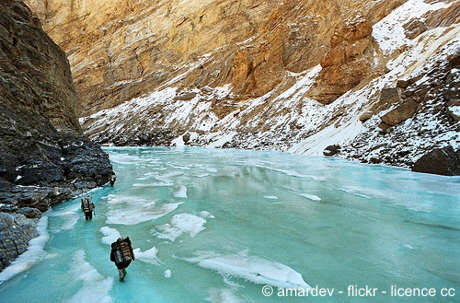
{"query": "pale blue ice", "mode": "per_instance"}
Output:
(217, 225)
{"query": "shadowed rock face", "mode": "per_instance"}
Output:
(44, 157)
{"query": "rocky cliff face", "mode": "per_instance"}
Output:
(44, 157)
(377, 78)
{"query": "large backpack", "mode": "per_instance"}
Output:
(86, 205)
(123, 251)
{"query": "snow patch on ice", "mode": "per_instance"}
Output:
(124, 159)
(128, 210)
(271, 197)
(181, 192)
(408, 246)
(110, 235)
(180, 224)
(148, 256)
(206, 214)
(167, 273)
(95, 288)
(251, 268)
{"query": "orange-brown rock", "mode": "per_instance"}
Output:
(444, 17)
(414, 28)
(382, 9)
(400, 113)
(35, 75)
(256, 71)
(134, 48)
(347, 63)
(351, 31)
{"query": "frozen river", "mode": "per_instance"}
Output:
(218, 225)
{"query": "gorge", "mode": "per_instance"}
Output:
(194, 101)
(378, 78)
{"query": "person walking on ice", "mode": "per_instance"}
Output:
(122, 254)
(88, 207)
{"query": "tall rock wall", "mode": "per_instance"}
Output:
(44, 157)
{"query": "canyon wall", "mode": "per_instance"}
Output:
(376, 79)
(121, 49)
(44, 156)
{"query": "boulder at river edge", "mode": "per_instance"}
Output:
(440, 161)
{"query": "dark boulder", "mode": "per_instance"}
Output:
(390, 95)
(440, 161)
(16, 230)
(400, 113)
(39, 171)
(186, 138)
(331, 150)
(375, 160)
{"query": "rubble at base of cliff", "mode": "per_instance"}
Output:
(32, 183)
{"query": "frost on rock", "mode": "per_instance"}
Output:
(389, 32)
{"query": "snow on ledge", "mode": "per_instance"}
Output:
(389, 32)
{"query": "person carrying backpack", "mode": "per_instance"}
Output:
(122, 254)
(113, 178)
(87, 206)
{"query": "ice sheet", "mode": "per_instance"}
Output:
(131, 210)
(180, 224)
(222, 296)
(110, 235)
(251, 268)
(148, 256)
(95, 287)
(70, 214)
